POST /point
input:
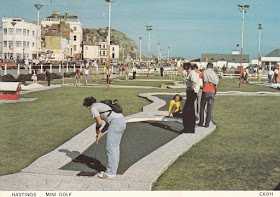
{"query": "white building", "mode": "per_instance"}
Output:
(17, 38)
(100, 51)
(75, 25)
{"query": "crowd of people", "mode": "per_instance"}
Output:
(201, 90)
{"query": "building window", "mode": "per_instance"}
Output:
(19, 31)
(18, 44)
(27, 45)
(113, 55)
(113, 48)
(100, 53)
(75, 38)
(5, 31)
(11, 44)
(11, 31)
(75, 47)
(24, 32)
(24, 44)
(28, 32)
(5, 44)
(103, 52)
(75, 28)
(33, 44)
(33, 33)
(86, 48)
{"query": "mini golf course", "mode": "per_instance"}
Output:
(139, 140)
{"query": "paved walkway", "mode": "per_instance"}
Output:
(44, 174)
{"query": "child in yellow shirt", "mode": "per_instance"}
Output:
(175, 107)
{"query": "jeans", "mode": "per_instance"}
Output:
(197, 103)
(208, 98)
(114, 136)
(189, 111)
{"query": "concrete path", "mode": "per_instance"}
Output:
(44, 174)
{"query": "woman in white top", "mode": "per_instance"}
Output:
(86, 72)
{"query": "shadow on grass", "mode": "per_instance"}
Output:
(91, 162)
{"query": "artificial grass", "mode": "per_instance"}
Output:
(33, 129)
(137, 142)
(241, 154)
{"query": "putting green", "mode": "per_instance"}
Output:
(139, 140)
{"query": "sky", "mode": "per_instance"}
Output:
(188, 27)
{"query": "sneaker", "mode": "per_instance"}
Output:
(104, 175)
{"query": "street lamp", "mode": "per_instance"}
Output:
(149, 28)
(108, 39)
(140, 38)
(259, 53)
(244, 9)
(168, 53)
(38, 6)
(14, 44)
(158, 52)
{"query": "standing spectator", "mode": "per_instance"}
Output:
(127, 69)
(122, 68)
(77, 77)
(276, 72)
(224, 69)
(199, 94)
(192, 90)
(210, 82)
(247, 75)
(86, 73)
(34, 76)
(260, 73)
(116, 125)
(134, 72)
(184, 74)
(48, 76)
(270, 76)
(161, 71)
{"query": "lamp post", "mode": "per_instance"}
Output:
(14, 44)
(140, 38)
(38, 6)
(108, 39)
(259, 52)
(149, 28)
(158, 52)
(244, 9)
(168, 53)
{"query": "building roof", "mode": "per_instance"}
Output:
(225, 57)
(9, 86)
(275, 53)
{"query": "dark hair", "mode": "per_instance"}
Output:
(180, 98)
(89, 101)
(210, 65)
(194, 66)
(187, 65)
